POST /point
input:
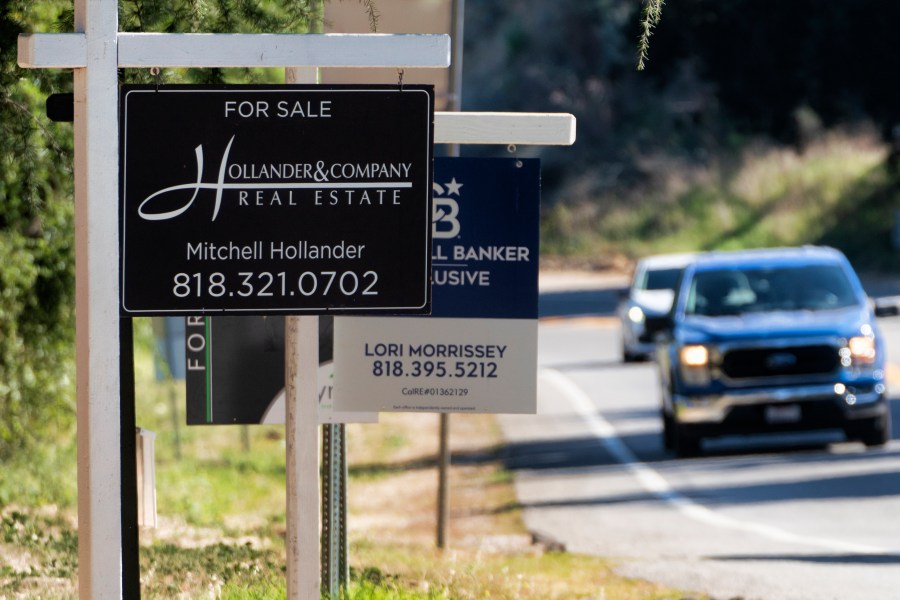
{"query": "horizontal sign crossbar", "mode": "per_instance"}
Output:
(283, 50)
(450, 128)
(538, 129)
(52, 50)
(69, 50)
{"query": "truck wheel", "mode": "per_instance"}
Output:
(876, 432)
(668, 435)
(686, 443)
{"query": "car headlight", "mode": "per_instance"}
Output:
(860, 350)
(695, 356)
(636, 314)
(694, 361)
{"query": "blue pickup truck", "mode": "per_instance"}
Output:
(771, 340)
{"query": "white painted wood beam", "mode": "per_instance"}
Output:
(301, 353)
(69, 50)
(538, 129)
(283, 50)
(52, 50)
(301, 401)
(96, 138)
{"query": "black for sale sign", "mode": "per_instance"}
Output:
(275, 199)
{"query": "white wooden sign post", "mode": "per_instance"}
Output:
(95, 51)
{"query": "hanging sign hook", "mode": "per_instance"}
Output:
(512, 150)
(154, 72)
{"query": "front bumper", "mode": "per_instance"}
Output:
(821, 405)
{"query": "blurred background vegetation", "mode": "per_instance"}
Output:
(36, 268)
(754, 123)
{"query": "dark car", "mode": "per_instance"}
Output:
(771, 340)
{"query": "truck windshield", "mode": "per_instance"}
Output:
(741, 290)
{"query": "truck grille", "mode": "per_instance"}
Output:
(780, 362)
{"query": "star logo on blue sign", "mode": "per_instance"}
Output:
(453, 187)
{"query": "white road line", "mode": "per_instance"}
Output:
(654, 483)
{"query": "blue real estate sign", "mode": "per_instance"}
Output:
(485, 238)
(477, 352)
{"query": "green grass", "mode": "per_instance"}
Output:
(44, 561)
(221, 507)
(217, 570)
(44, 476)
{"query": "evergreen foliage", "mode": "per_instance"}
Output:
(214, 16)
(652, 15)
(36, 246)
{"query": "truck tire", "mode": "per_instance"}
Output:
(687, 444)
(875, 432)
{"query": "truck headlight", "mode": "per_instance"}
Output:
(860, 350)
(695, 356)
(694, 360)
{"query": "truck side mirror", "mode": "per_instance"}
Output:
(659, 327)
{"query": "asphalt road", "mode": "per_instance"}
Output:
(770, 518)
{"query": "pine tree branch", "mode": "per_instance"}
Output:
(372, 11)
(650, 18)
(26, 114)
